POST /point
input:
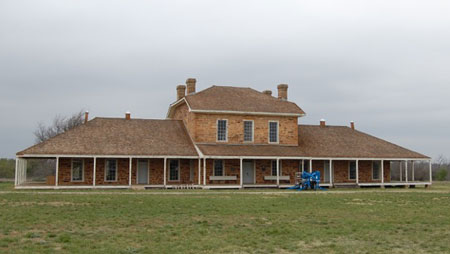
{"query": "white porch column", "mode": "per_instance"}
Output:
(241, 174)
(401, 171)
(94, 172)
(57, 171)
(204, 171)
(303, 166)
(331, 171)
(310, 165)
(165, 172)
(382, 171)
(406, 171)
(431, 172)
(199, 171)
(15, 176)
(278, 172)
(357, 171)
(412, 173)
(130, 171)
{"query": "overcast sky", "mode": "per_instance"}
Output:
(383, 64)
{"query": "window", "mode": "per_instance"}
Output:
(218, 168)
(274, 168)
(111, 171)
(222, 131)
(352, 170)
(376, 166)
(306, 166)
(174, 170)
(273, 132)
(248, 131)
(77, 170)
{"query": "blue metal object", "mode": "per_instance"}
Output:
(308, 181)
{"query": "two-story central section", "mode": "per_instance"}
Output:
(233, 115)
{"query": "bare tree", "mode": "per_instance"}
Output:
(59, 125)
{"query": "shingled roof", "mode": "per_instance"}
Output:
(320, 142)
(117, 136)
(240, 99)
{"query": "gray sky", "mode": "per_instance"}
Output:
(383, 64)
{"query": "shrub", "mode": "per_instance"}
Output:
(442, 174)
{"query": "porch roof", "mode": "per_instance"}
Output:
(320, 142)
(118, 136)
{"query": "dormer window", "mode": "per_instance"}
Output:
(222, 130)
(273, 132)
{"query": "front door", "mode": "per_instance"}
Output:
(249, 172)
(142, 172)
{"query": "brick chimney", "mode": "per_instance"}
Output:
(86, 117)
(181, 92)
(267, 92)
(127, 115)
(322, 123)
(352, 125)
(283, 92)
(190, 83)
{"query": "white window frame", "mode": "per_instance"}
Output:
(379, 171)
(71, 171)
(117, 170)
(253, 131)
(223, 167)
(226, 130)
(278, 131)
(349, 168)
(179, 170)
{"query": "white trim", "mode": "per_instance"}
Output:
(117, 171)
(431, 172)
(241, 175)
(278, 172)
(179, 171)
(278, 131)
(253, 131)
(412, 172)
(199, 171)
(311, 165)
(273, 178)
(165, 172)
(130, 172)
(228, 112)
(357, 171)
(107, 156)
(169, 112)
(204, 171)
(223, 178)
(379, 171)
(406, 171)
(94, 172)
(71, 171)
(382, 171)
(331, 173)
(226, 131)
(57, 171)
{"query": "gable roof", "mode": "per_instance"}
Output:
(117, 136)
(320, 142)
(228, 99)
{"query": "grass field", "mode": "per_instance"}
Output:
(350, 221)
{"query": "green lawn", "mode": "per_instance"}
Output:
(417, 221)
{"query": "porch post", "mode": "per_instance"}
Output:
(204, 171)
(199, 171)
(412, 173)
(401, 171)
(382, 172)
(331, 176)
(278, 172)
(431, 172)
(310, 165)
(303, 166)
(129, 173)
(241, 175)
(406, 171)
(94, 172)
(15, 176)
(57, 171)
(165, 172)
(357, 171)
